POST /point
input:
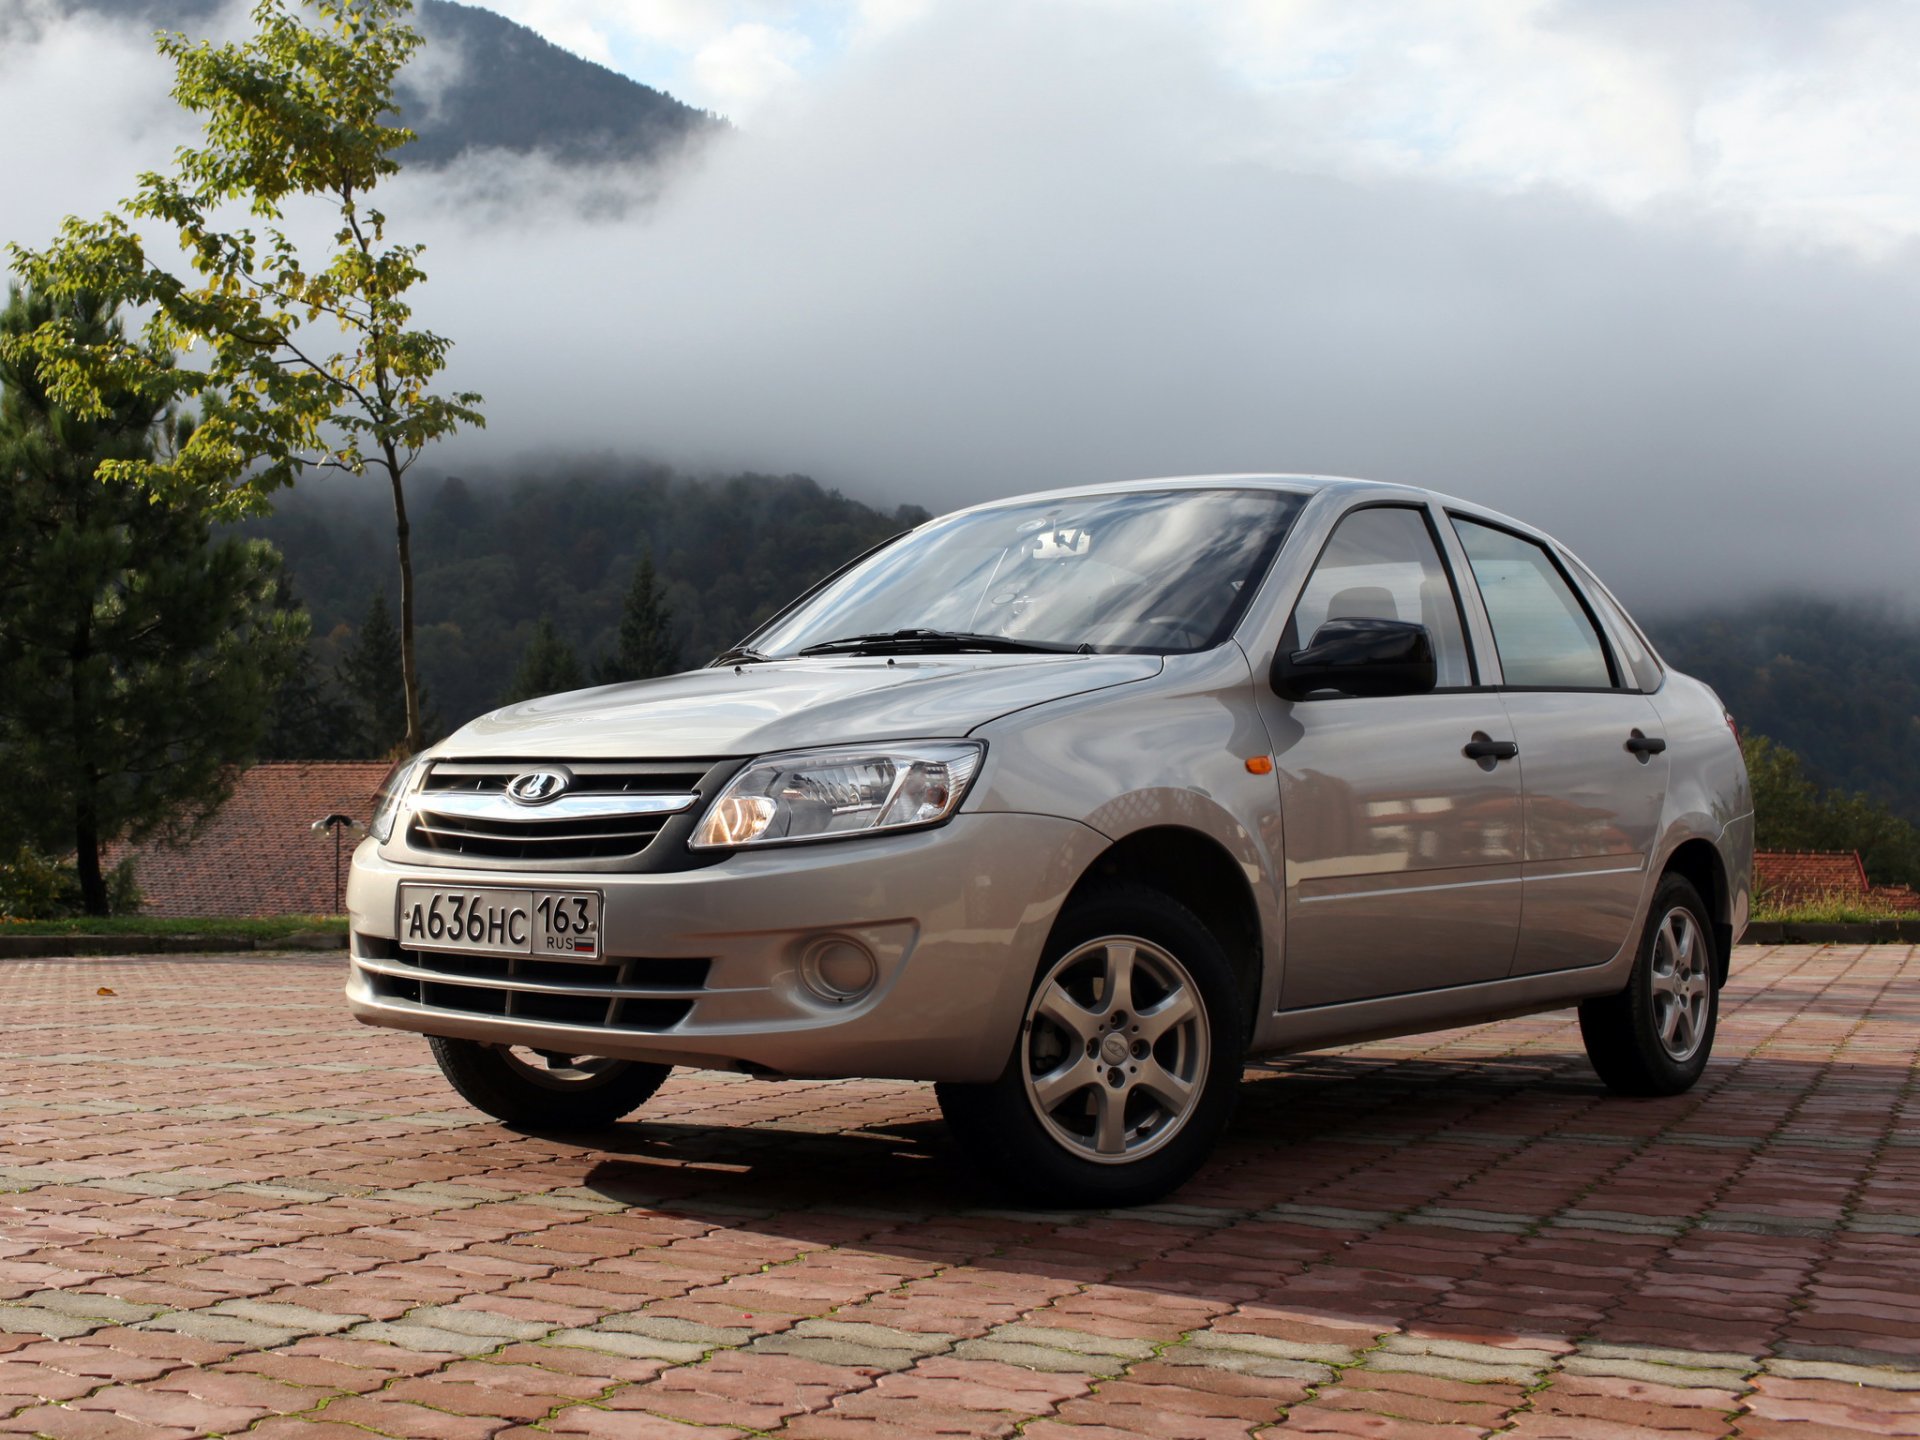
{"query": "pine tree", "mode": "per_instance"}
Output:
(646, 645)
(309, 718)
(548, 667)
(137, 653)
(371, 672)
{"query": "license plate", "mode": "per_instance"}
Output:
(546, 924)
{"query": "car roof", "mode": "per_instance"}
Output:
(1337, 487)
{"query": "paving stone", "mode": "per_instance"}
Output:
(299, 1319)
(1503, 1356)
(1270, 1347)
(1079, 1342)
(1654, 1373)
(37, 1320)
(485, 1324)
(430, 1339)
(835, 1342)
(1039, 1357)
(633, 1347)
(673, 1328)
(1873, 1376)
(1242, 1362)
(244, 1203)
(228, 1329)
(1446, 1367)
(88, 1306)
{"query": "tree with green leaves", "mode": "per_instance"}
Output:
(645, 646)
(1792, 812)
(371, 672)
(308, 718)
(304, 357)
(137, 653)
(547, 667)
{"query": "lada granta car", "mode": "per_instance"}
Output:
(1071, 804)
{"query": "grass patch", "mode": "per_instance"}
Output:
(273, 928)
(1831, 912)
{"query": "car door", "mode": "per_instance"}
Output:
(1592, 756)
(1403, 852)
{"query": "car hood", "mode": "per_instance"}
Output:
(785, 705)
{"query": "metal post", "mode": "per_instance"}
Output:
(336, 823)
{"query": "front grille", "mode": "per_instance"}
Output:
(609, 810)
(601, 838)
(619, 994)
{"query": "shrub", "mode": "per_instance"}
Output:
(38, 887)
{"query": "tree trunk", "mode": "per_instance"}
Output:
(86, 857)
(86, 813)
(410, 675)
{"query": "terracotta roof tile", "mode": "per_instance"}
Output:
(1793, 877)
(260, 854)
(1896, 897)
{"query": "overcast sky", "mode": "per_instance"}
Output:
(1645, 274)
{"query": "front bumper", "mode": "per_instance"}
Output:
(955, 919)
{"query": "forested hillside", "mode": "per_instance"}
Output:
(494, 560)
(1838, 684)
(486, 82)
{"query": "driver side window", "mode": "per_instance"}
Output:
(1382, 564)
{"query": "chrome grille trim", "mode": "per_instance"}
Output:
(424, 822)
(403, 970)
(463, 805)
(590, 777)
(608, 817)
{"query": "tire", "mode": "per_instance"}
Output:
(1054, 1127)
(1654, 1037)
(535, 1091)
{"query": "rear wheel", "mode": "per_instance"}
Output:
(545, 1089)
(1654, 1037)
(1126, 1064)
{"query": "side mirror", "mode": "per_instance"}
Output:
(1359, 657)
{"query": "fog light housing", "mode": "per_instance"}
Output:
(838, 969)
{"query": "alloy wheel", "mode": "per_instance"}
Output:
(1114, 1053)
(1681, 987)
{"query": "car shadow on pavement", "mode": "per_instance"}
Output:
(915, 1165)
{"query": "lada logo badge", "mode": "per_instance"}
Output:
(537, 787)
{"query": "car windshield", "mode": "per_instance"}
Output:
(1145, 571)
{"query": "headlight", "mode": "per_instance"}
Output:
(386, 809)
(847, 790)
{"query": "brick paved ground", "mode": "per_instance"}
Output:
(225, 1209)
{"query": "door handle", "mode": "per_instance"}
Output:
(1643, 745)
(1490, 750)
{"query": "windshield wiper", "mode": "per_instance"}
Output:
(739, 655)
(937, 642)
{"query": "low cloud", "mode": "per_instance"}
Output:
(1014, 246)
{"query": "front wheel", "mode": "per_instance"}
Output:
(1126, 1064)
(1654, 1037)
(543, 1089)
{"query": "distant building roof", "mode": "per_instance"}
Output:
(260, 854)
(1897, 897)
(1795, 877)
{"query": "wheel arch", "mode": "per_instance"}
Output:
(1697, 861)
(1198, 871)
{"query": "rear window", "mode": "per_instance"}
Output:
(1627, 637)
(1544, 635)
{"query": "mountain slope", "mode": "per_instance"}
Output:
(483, 81)
(1838, 683)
